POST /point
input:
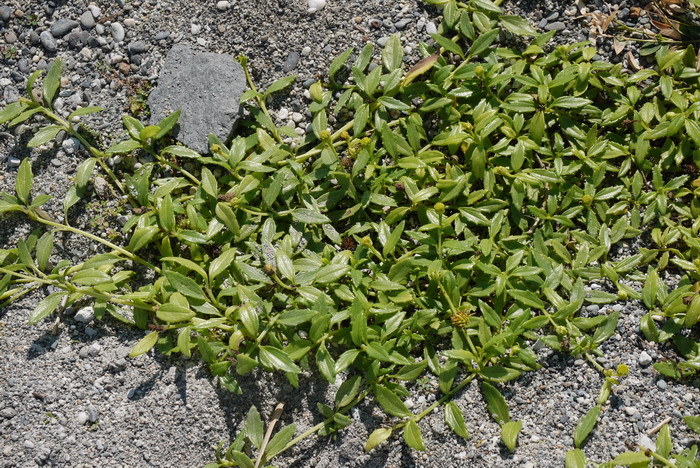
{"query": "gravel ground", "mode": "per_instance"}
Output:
(75, 399)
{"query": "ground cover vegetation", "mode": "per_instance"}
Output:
(455, 214)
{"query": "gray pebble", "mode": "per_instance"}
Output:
(86, 314)
(87, 20)
(306, 51)
(82, 417)
(118, 32)
(644, 359)
(62, 27)
(593, 308)
(92, 413)
(630, 410)
(381, 42)
(28, 444)
(553, 16)
(543, 23)
(89, 331)
(430, 28)
(291, 61)
(137, 47)
(100, 28)
(618, 307)
(223, 5)
(5, 13)
(8, 413)
(48, 41)
(556, 26)
(661, 384)
(162, 35)
(401, 24)
(94, 349)
(10, 37)
(130, 394)
(95, 10)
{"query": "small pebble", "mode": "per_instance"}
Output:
(430, 28)
(194, 29)
(556, 26)
(316, 5)
(87, 20)
(62, 27)
(92, 413)
(28, 444)
(305, 51)
(644, 359)
(630, 410)
(5, 13)
(130, 22)
(82, 417)
(223, 5)
(95, 10)
(48, 41)
(118, 32)
(661, 384)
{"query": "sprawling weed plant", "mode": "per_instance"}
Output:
(454, 214)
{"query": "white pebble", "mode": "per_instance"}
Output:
(130, 22)
(282, 114)
(430, 28)
(644, 359)
(297, 117)
(195, 28)
(315, 5)
(95, 10)
(304, 52)
(223, 5)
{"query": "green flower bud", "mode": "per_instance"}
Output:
(586, 199)
(439, 207)
(325, 135)
(479, 70)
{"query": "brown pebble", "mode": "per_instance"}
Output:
(124, 68)
(221, 28)
(19, 14)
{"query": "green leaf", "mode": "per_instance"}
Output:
(11, 111)
(568, 102)
(44, 247)
(517, 25)
(377, 437)
(575, 458)
(280, 84)
(347, 391)
(325, 363)
(390, 402)
(482, 43)
(392, 55)
(84, 173)
(338, 63)
(280, 440)
(167, 124)
(23, 184)
(307, 216)
(145, 344)
(84, 111)
(43, 136)
(184, 285)
(586, 425)
(630, 458)
(142, 237)
(221, 263)
(46, 307)
(664, 444)
(52, 82)
(693, 423)
(411, 371)
(275, 358)
(448, 44)
(126, 146)
(254, 427)
(455, 420)
(509, 433)
(174, 313)
(495, 403)
(166, 215)
(91, 277)
(183, 341)
(499, 373)
(182, 152)
(412, 436)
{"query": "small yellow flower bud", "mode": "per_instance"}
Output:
(325, 135)
(479, 70)
(622, 370)
(586, 199)
(460, 320)
(344, 135)
(439, 207)
(366, 241)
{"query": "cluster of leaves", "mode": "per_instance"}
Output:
(455, 216)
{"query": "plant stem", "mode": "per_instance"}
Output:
(63, 227)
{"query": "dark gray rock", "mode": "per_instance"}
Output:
(62, 27)
(291, 62)
(207, 87)
(5, 13)
(48, 41)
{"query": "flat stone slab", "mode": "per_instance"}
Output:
(206, 87)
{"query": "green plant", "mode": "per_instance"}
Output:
(454, 215)
(9, 52)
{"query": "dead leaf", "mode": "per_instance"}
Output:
(619, 46)
(633, 62)
(635, 12)
(671, 33)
